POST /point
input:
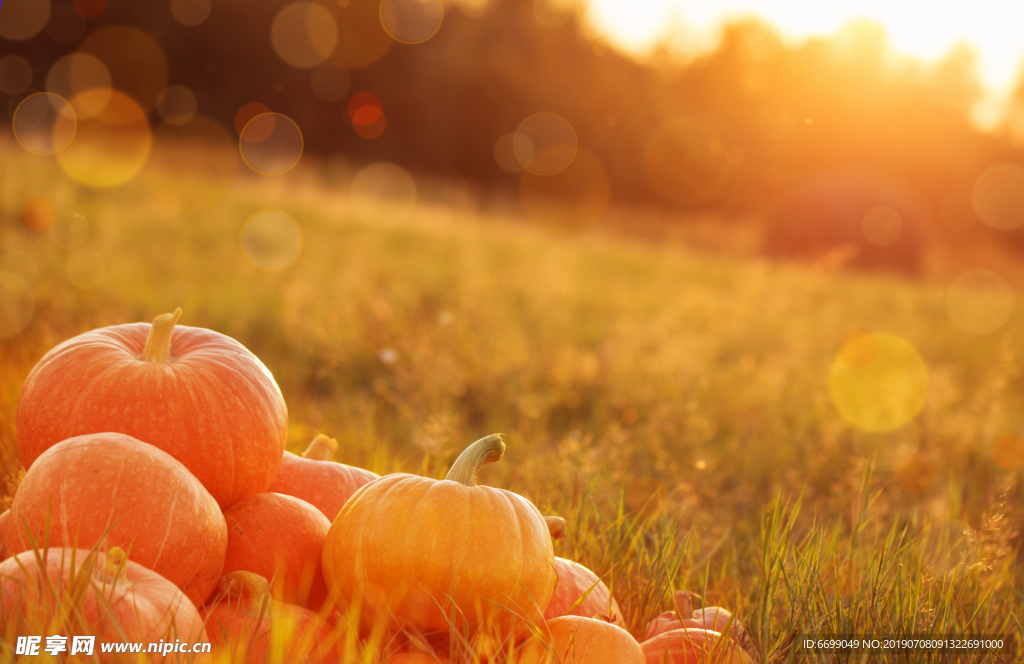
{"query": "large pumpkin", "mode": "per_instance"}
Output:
(73, 591)
(109, 489)
(433, 555)
(319, 481)
(280, 538)
(579, 640)
(198, 395)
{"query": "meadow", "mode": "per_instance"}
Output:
(672, 404)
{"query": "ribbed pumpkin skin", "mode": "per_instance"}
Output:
(144, 604)
(395, 545)
(579, 640)
(160, 512)
(326, 485)
(3, 528)
(281, 538)
(213, 406)
(691, 645)
(573, 581)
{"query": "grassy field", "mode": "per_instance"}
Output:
(674, 406)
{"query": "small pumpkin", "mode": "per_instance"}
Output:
(313, 477)
(197, 394)
(245, 624)
(415, 552)
(280, 538)
(692, 645)
(113, 598)
(579, 640)
(580, 592)
(713, 618)
(109, 489)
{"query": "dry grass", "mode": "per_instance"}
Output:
(672, 406)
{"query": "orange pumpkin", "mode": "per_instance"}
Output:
(244, 624)
(3, 528)
(416, 552)
(713, 618)
(416, 658)
(114, 599)
(280, 538)
(198, 395)
(580, 592)
(109, 489)
(579, 640)
(692, 645)
(319, 481)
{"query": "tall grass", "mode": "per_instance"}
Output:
(673, 406)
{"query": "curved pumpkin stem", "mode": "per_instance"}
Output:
(556, 527)
(484, 451)
(158, 343)
(321, 449)
(248, 589)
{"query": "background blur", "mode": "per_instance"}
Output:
(523, 103)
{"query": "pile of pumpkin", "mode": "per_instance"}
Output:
(159, 503)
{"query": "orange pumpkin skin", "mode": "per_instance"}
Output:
(244, 624)
(692, 645)
(3, 528)
(280, 538)
(573, 581)
(146, 606)
(579, 640)
(154, 507)
(210, 403)
(325, 484)
(412, 551)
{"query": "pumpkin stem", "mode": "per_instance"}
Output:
(158, 343)
(684, 604)
(556, 527)
(247, 588)
(321, 449)
(115, 565)
(484, 451)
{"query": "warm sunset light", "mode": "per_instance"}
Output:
(992, 28)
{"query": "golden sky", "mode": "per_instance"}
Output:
(922, 29)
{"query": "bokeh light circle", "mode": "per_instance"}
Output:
(15, 74)
(361, 39)
(39, 213)
(979, 302)
(998, 196)
(247, 112)
(44, 123)
(505, 153)
(90, 8)
(948, 549)
(190, 13)
(23, 19)
(17, 304)
(411, 21)
(545, 143)
(1008, 452)
(271, 144)
(77, 73)
(881, 225)
(176, 104)
(878, 382)
(304, 34)
(271, 240)
(383, 194)
(112, 146)
(137, 63)
(686, 162)
(86, 269)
